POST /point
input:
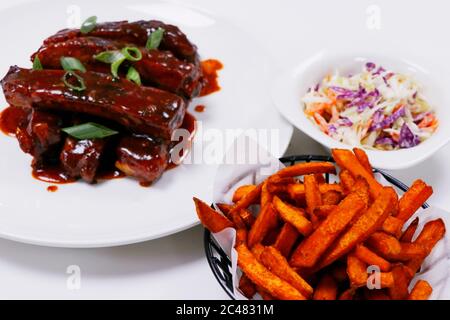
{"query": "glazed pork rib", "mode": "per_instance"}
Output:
(141, 109)
(81, 158)
(156, 68)
(136, 32)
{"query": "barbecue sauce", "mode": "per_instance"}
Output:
(199, 108)
(52, 174)
(52, 189)
(210, 70)
(11, 118)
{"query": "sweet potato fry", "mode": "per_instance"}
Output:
(246, 215)
(331, 198)
(266, 196)
(363, 227)
(363, 159)
(320, 179)
(312, 194)
(347, 294)
(241, 236)
(384, 244)
(293, 216)
(259, 275)
(347, 181)
(421, 291)
(399, 290)
(386, 279)
(390, 248)
(361, 187)
(326, 289)
(371, 258)
(301, 169)
(277, 188)
(225, 208)
(312, 248)
(257, 250)
(408, 234)
(210, 218)
(322, 212)
(393, 226)
(413, 199)
(431, 233)
(297, 190)
(273, 260)
(286, 239)
(347, 160)
(242, 191)
(265, 221)
(247, 287)
(248, 199)
(357, 271)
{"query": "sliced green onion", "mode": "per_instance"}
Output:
(155, 39)
(109, 56)
(72, 64)
(37, 64)
(134, 76)
(115, 58)
(70, 75)
(115, 67)
(132, 53)
(88, 25)
(89, 130)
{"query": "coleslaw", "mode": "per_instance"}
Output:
(374, 109)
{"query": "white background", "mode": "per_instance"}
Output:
(175, 267)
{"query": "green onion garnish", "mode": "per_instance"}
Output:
(132, 53)
(72, 64)
(115, 67)
(155, 39)
(70, 77)
(134, 76)
(109, 56)
(37, 64)
(116, 57)
(89, 130)
(88, 25)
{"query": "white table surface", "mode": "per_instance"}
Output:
(175, 267)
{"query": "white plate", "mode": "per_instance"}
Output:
(291, 85)
(120, 211)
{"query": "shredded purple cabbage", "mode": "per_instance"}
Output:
(388, 121)
(345, 122)
(332, 128)
(370, 66)
(379, 71)
(420, 116)
(385, 141)
(407, 138)
(377, 119)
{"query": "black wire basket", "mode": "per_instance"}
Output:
(218, 260)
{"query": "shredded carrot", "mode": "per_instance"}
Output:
(321, 122)
(427, 121)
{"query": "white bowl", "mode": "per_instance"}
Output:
(291, 85)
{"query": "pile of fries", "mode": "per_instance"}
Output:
(310, 239)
